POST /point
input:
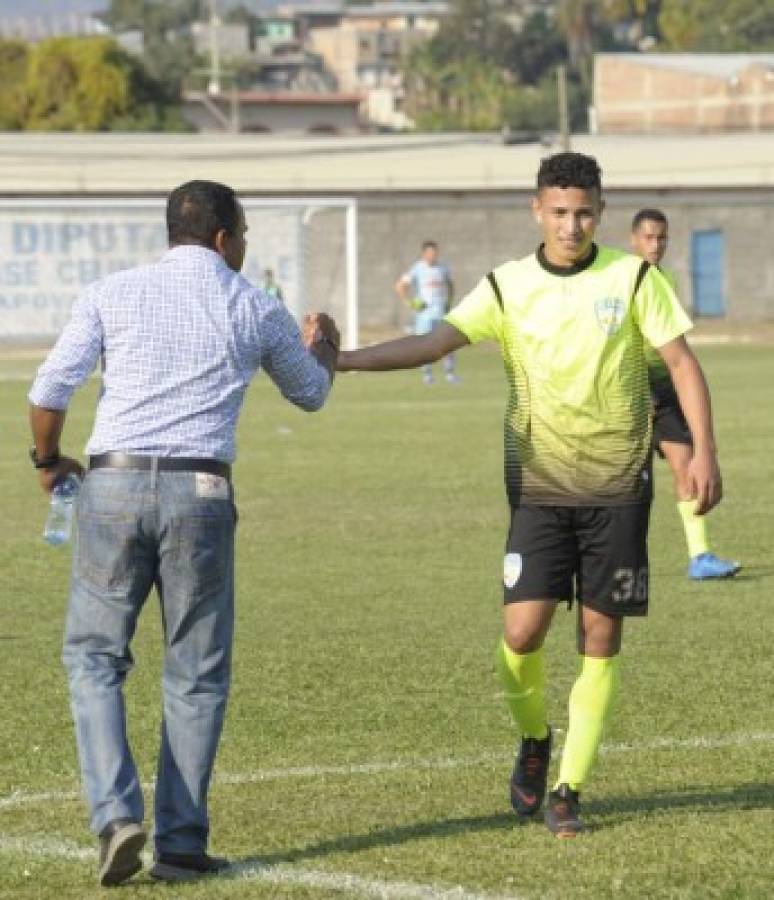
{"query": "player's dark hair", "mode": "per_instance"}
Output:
(569, 170)
(426, 244)
(198, 210)
(648, 215)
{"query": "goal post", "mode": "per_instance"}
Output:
(310, 244)
(52, 248)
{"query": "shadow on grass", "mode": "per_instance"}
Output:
(744, 796)
(746, 573)
(383, 837)
(619, 810)
(751, 573)
(749, 796)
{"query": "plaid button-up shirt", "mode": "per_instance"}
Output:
(179, 341)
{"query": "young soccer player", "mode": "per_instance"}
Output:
(571, 319)
(427, 288)
(671, 435)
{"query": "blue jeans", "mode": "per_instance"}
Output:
(137, 529)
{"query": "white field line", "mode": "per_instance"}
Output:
(281, 873)
(20, 798)
(46, 847)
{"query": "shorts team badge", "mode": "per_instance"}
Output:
(511, 569)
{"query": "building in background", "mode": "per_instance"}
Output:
(39, 27)
(264, 112)
(364, 45)
(33, 28)
(261, 78)
(655, 93)
(233, 38)
(471, 192)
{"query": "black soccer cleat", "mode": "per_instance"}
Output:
(562, 813)
(530, 775)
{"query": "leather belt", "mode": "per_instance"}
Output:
(160, 463)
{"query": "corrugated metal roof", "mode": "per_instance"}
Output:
(288, 97)
(140, 163)
(383, 8)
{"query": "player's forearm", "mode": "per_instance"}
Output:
(403, 353)
(694, 396)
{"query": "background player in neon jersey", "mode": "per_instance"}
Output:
(671, 435)
(427, 288)
(571, 320)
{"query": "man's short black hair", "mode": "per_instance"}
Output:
(198, 210)
(569, 170)
(648, 215)
(429, 243)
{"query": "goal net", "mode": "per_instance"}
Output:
(51, 249)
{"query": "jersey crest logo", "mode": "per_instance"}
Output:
(511, 569)
(610, 314)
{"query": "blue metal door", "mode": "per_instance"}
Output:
(708, 272)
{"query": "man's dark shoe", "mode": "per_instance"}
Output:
(186, 866)
(563, 812)
(530, 775)
(120, 843)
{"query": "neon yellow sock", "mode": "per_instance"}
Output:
(591, 700)
(695, 528)
(523, 678)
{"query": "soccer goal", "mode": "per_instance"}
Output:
(53, 248)
(310, 245)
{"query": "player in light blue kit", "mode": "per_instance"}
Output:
(427, 288)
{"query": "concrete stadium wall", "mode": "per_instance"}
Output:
(478, 230)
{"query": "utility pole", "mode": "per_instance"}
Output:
(214, 85)
(564, 112)
(236, 126)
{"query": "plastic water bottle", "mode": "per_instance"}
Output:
(59, 523)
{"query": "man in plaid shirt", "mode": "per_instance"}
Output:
(179, 341)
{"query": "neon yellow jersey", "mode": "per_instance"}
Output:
(657, 368)
(577, 422)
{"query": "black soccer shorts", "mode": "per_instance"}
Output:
(668, 420)
(596, 555)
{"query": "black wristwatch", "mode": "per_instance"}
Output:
(44, 462)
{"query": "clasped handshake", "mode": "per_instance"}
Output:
(319, 328)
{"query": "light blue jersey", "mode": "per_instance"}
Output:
(432, 285)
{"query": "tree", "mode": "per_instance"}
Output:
(467, 94)
(704, 25)
(534, 108)
(642, 13)
(466, 75)
(13, 65)
(473, 28)
(536, 50)
(168, 51)
(89, 84)
(458, 79)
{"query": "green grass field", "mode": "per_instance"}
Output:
(367, 750)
